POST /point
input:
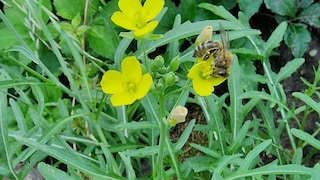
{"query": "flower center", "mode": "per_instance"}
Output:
(206, 72)
(131, 87)
(139, 19)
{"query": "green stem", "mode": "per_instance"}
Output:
(145, 58)
(123, 116)
(174, 159)
(96, 122)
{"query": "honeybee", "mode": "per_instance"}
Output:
(205, 49)
(223, 57)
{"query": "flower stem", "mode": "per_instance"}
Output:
(145, 58)
(165, 140)
(123, 116)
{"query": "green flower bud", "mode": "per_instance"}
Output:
(174, 64)
(157, 63)
(170, 79)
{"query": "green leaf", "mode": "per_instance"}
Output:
(206, 150)
(137, 125)
(283, 7)
(311, 15)
(247, 53)
(248, 11)
(219, 11)
(288, 69)
(306, 137)
(223, 163)
(235, 89)
(297, 157)
(69, 9)
(187, 10)
(272, 168)
(308, 100)
(253, 154)
(68, 157)
(75, 22)
(305, 3)
(100, 41)
(184, 136)
(18, 114)
(51, 173)
(142, 152)
(237, 142)
(297, 38)
(275, 38)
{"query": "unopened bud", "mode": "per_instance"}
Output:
(205, 35)
(170, 79)
(178, 115)
(157, 63)
(174, 64)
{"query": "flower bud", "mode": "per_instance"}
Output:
(178, 115)
(205, 35)
(157, 63)
(170, 79)
(174, 64)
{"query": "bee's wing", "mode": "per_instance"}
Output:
(224, 38)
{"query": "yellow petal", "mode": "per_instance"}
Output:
(202, 87)
(124, 98)
(131, 69)
(112, 82)
(194, 72)
(144, 86)
(217, 80)
(152, 8)
(130, 7)
(146, 29)
(123, 20)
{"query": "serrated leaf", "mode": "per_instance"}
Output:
(283, 7)
(311, 15)
(248, 11)
(288, 69)
(297, 38)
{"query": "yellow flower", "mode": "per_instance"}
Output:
(128, 86)
(133, 16)
(202, 81)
